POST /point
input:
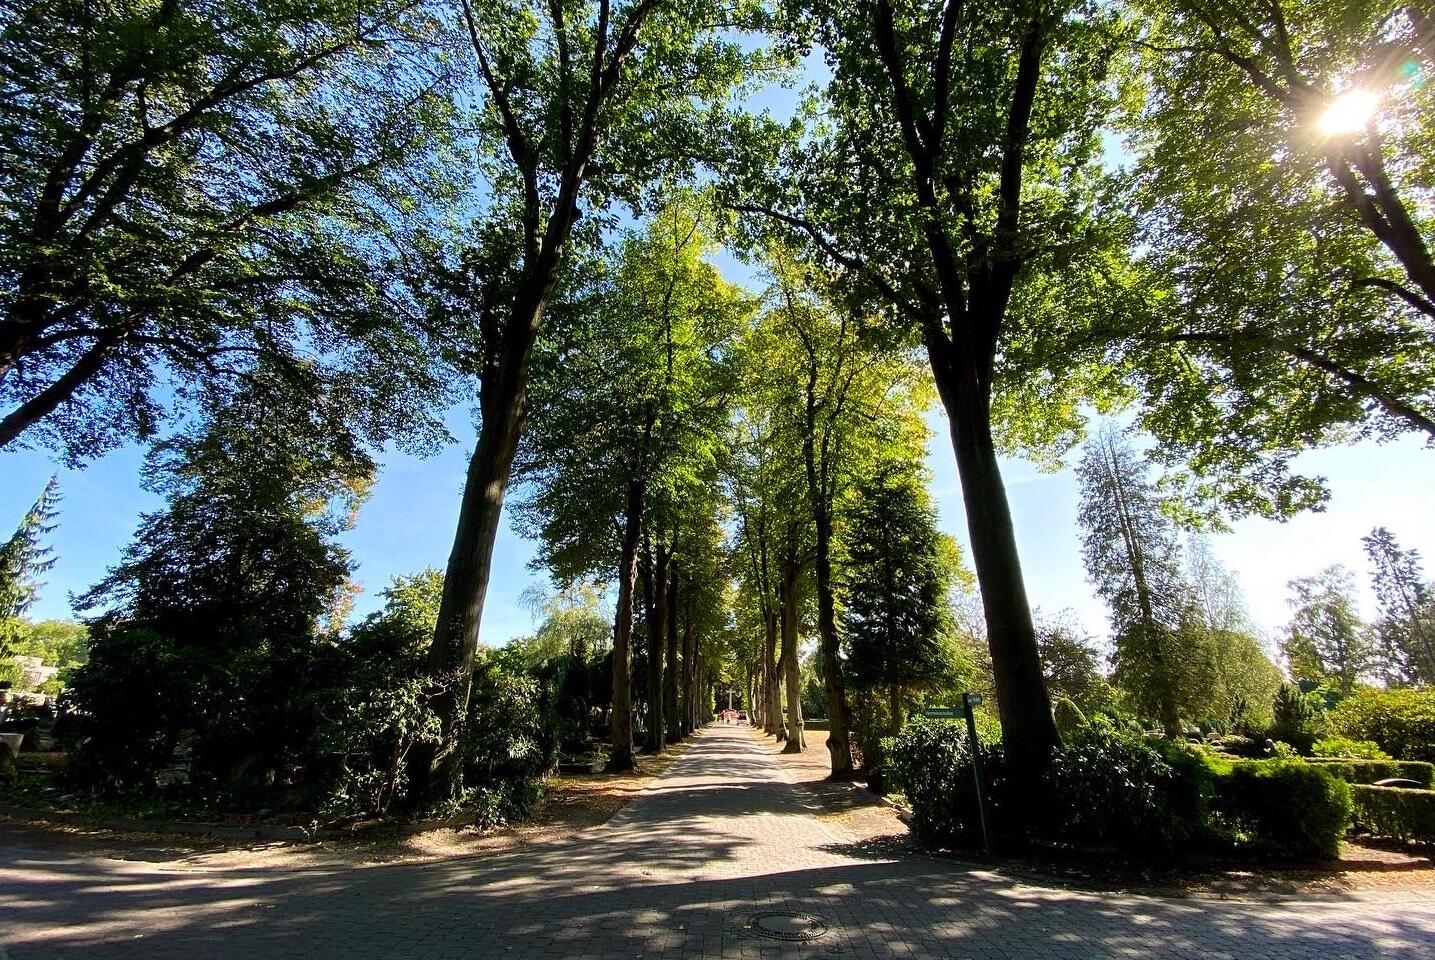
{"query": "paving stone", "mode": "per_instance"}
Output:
(721, 835)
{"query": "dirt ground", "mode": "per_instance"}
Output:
(1370, 867)
(573, 803)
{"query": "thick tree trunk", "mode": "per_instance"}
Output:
(657, 627)
(435, 772)
(1028, 732)
(839, 717)
(790, 666)
(772, 718)
(672, 667)
(620, 755)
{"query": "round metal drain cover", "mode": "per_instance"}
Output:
(787, 926)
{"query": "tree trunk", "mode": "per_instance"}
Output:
(790, 667)
(620, 756)
(672, 667)
(48, 400)
(894, 703)
(436, 772)
(772, 717)
(1028, 731)
(839, 717)
(690, 675)
(657, 627)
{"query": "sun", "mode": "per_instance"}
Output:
(1350, 112)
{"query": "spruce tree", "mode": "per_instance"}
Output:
(1405, 631)
(1133, 559)
(895, 617)
(23, 558)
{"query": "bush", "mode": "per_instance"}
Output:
(1285, 807)
(1110, 786)
(8, 774)
(369, 732)
(1369, 771)
(1346, 748)
(1393, 812)
(1401, 722)
(931, 762)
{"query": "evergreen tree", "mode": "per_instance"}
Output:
(211, 628)
(23, 558)
(1406, 628)
(1133, 558)
(1326, 640)
(895, 616)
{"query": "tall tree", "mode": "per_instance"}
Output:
(895, 616)
(186, 187)
(1326, 641)
(1406, 629)
(631, 403)
(1132, 557)
(23, 559)
(840, 391)
(952, 170)
(581, 102)
(1283, 192)
(214, 620)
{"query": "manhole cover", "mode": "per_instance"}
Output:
(786, 926)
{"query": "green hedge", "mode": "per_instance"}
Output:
(1369, 771)
(1288, 808)
(1393, 812)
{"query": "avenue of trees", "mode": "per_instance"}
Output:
(273, 241)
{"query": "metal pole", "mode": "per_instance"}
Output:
(969, 701)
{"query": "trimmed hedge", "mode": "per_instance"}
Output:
(1285, 807)
(1369, 771)
(1395, 812)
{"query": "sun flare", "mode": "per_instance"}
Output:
(1351, 112)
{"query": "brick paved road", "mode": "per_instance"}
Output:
(719, 836)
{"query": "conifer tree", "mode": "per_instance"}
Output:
(23, 558)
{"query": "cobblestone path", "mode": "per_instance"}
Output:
(720, 836)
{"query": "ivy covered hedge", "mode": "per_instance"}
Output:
(1395, 812)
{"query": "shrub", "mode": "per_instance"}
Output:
(8, 774)
(1285, 807)
(1369, 771)
(506, 743)
(1402, 722)
(1394, 812)
(1344, 747)
(1068, 716)
(1110, 786)
(369, 732)
(931, 762)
